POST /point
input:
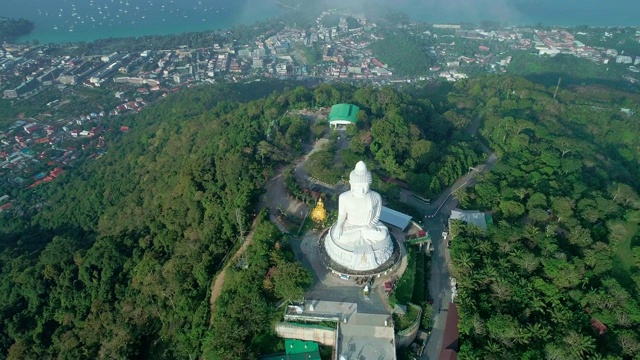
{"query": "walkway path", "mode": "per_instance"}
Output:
(276, 197)
(216, 287)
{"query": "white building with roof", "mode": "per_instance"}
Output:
(395, 218)
(473, 217)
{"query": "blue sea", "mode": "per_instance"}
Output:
(86, 20)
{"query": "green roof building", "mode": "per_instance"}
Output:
(343, 114)
(296, 350)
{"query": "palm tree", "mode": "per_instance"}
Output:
(521, 192)
(538, 331)
(470, 282)
(484, 247)
(501, 289)
(505, 246)
(554, 352)
(462, 196)
(537, 305)
(488, 274)
(463, 264)
(628, 343)
(479, 327)
(528, 262)
(579, 344)
(494, 348)
(531, 231)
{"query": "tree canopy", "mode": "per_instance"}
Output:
(563, 257)
(119, 261)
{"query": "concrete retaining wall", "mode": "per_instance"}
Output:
(407, 336)
(307, 332)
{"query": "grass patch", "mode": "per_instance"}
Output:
(420, 288)
(311, 54)
(403, 322)
(623, 250)
(403, 292)
(624, 261)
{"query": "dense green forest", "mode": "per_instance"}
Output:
(12, 28)
(119, 261)
(573, 70)
(564, 257)
(404, 137)
(116, 257)
(404, 52)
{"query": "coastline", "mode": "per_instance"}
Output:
(287, 6)
(251, 11)
(58, 26)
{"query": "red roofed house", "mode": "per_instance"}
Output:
(271, 271)
(56, 172)
(388, 286)
(598, 326)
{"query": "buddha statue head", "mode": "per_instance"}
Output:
(360, 180)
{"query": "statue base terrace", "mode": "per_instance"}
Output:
(341, 269)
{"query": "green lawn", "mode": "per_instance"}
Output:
(403, 292)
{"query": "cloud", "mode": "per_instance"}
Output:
(447, 10)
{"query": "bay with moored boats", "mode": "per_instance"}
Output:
(86, 20)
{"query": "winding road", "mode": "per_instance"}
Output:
(436, 216)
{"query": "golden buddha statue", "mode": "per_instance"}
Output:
(319, 214)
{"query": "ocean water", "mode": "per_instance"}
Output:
(86, 20)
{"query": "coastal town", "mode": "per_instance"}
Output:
(79, 96)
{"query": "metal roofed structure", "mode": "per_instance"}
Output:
(343, 114)
(449, 349)
(296, 350)
(394, 218)
(473, 217)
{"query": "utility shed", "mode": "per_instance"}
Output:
(343, 114)
(394, 218)
(473, 217)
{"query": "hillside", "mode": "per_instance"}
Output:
(116, 257)
(564, 256)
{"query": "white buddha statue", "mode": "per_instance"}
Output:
(358, 240)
